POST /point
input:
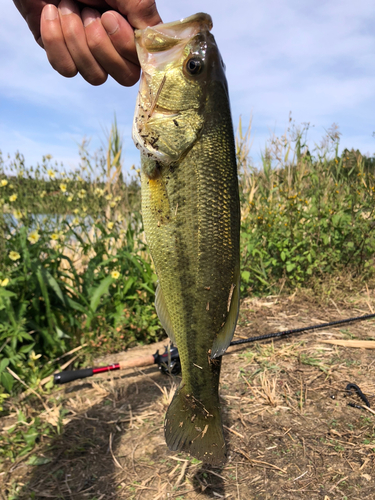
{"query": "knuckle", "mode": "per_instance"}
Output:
(65, 68)
(129, 79)
(71, 32)
(147, 7)
(97, 79)
(68, 71)
(95, 40)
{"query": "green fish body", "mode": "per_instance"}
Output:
(191, 214)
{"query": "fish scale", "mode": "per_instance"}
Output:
(190, 209)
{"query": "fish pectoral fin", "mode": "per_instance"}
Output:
(163, 314)
(225, 335)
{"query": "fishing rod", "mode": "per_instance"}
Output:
(169, 361)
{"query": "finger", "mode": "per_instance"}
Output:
(54, 43)
(32, 11)
(33, 20)
(120, 68)
(75, 39)
(121, 35)
(140, 14)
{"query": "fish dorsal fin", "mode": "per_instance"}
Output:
(163, 314)
(225, 335)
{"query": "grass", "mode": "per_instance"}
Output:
(75, 273)
(308, 213)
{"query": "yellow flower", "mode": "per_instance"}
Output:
(54, 236)
(75, 211)
(112, 204)
(34, 356)
(79, 178)
(82, 193)
(3, 182)
(115, 274)
(110, 225)
(33, 237)
(17, 214)
(51, 173)
(109, 197)
(75, 221)
(13, 197)
(42, 194)
(63, 187)
(4, 282)
(14, 255)
(70, 198)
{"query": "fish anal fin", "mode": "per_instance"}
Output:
(225, 335)
(163, 314)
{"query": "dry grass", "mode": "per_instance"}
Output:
(289, 429)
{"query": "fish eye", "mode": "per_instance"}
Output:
(194, 65)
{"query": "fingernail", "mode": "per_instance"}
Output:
(50, 12)
(110, 23)
(64, 9)
(89, 16)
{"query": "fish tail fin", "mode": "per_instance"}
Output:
(192, 428)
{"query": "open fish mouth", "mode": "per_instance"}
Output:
(158, 45)
(163, 51)
(163, 37)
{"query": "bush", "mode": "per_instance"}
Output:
(305, 216)
(74, 267)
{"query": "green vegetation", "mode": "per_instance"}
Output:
(304, 215)
(75, 271)
(74, 267)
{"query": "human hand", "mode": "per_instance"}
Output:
(88, 42)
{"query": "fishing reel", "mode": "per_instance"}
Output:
(168, 362)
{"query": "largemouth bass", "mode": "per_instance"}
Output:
(191, 214)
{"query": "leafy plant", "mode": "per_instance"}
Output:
(74, 267)
(305, 215)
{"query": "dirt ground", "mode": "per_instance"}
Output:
(290, 431)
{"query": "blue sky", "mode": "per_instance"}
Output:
(314, 59)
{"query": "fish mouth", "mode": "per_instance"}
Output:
(158, 49)
(162, 37)
(157, 45)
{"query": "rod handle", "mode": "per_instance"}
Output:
(134, 363)
(68, 376)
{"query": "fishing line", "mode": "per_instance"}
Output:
(169, 361)
(300, 330)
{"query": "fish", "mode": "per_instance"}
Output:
(191, 215)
